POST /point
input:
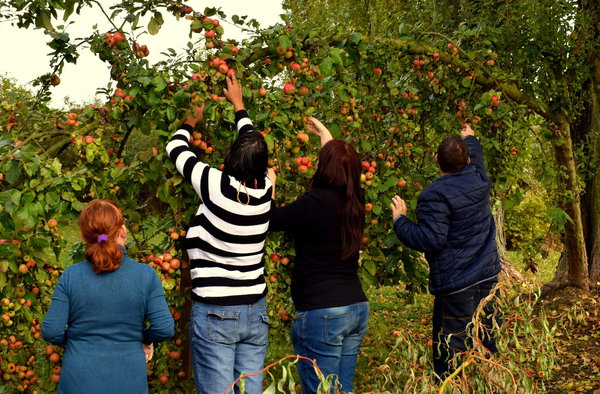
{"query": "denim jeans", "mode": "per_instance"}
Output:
(226, 342)
(333, 337)
(451, 315)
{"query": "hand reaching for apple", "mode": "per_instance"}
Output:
(467, 130)
(317, 128)
(398, 206)
(234, 93)
(195, 117)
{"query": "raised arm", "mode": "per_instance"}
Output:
(316, 127)
(234, 93)
(475, 149)
(180, 153)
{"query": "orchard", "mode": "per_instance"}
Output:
(393, 91)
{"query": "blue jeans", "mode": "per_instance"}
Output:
(226, 342)
(333, 337)
(451, 315)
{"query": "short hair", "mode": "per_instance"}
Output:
(247, 158)
(452, 154)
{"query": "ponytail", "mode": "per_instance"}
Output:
(100, 222)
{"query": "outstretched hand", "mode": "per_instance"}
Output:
(466, 130)
(317, 128)
(234, 93)
(398, 206)
(195, 116)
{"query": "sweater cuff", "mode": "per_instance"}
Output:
(241, 114)
(186, 127)
(398, 217)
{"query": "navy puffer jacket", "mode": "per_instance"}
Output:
(455, 228)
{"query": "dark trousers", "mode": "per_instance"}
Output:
(451, 315)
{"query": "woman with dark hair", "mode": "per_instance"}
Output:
(225, 245)
(327, 223)
(99, 310)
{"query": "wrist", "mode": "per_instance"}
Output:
(238, 106)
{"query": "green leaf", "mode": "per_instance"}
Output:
(159, 83)
(285, 42)
(155, 23)
(171, 115)
(326, 66)
(42, 21)
(336, 56)
(13, 173)
(354, 38)
(466, 82)
(181, 99)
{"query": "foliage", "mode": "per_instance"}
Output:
(394, 96)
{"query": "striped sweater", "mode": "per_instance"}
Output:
(225, 241)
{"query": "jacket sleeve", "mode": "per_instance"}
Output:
(158, 314)
(54, 327)
(243, 122)
(185, 160)
(476, 155)
(430, 232)
(289, 217)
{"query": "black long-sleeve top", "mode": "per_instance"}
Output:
(320, 279)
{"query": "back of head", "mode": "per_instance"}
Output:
(452, 154)
(339, 169)
(100, 222)
(247, 158)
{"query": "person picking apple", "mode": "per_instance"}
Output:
(456, 231)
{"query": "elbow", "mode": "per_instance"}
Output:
(55, 337)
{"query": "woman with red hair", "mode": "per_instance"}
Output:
(327, 223)
(100, 309)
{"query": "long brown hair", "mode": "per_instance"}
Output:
(339, 169)
(102, 218)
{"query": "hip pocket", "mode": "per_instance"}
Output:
(223, 326)
(261, 331)
(336, 327)
(457, 314)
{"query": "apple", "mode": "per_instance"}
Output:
(262, 91)
(401, 183)
(303, 90)
(274, 257)
(377, 71)
(223, 68)
(272, 278)
(302, 137)
(209, 34)
(54, 80)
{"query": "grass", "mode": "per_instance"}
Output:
(395, 355)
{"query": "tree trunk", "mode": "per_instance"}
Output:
(509, 272)
(575, 253)
(590, 126)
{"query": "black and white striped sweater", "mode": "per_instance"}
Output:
(225, 241)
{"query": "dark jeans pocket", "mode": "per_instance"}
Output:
(223, 326)
(456, 315)
(336, 327)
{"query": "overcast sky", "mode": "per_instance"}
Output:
(24, 52)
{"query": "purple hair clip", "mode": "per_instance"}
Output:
(102, 237)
